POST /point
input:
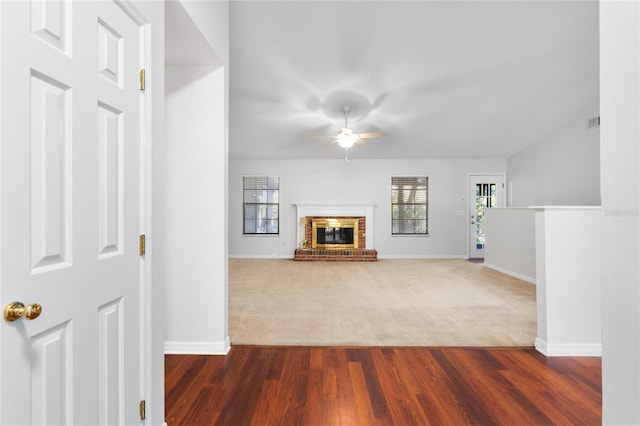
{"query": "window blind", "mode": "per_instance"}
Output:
(409, 205)
(261, 204)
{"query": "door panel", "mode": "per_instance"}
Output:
(110, 366)
(51, 376)
(70, 212)
(485, 192)
(49, 113)
(110, 168)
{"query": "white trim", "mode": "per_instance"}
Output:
(198, 348)
(393, 256)
(260, 256)
(572, 208)
(422, 256)
(145, 106)
(568, 349)
(150, 339)
(541, 346)
(131, 9)
(522, 277)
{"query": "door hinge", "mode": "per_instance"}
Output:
(142, 250)
(143, 409)
(142, 79)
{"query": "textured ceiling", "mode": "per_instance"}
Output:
(441, 79)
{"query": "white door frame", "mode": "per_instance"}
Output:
(146, 359)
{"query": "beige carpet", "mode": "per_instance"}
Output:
(450, 302)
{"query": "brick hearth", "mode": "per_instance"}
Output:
(333, 255)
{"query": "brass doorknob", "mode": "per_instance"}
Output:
(17, 310)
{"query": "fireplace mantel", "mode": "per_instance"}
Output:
(337, 210)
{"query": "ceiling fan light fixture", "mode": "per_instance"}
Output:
(347, 138)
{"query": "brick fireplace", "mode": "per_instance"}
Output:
(318, 218)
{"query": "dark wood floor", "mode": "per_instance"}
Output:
(256, 385)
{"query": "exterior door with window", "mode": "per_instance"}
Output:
(485, 192)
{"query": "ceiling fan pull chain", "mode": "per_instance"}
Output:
(346, 109)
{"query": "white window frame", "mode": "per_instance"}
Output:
(409, 202)
(260, 205)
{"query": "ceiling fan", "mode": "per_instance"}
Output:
(346, 138)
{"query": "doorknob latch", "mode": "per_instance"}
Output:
(16, 310)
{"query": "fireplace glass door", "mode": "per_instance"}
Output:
(335, 236)
(334, 233)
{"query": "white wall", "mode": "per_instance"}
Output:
(194, 229)
(561, 169)
(510, 242)
(360, 182)
(620, 147)
(195, 192)
(212, 20)
(568, 281)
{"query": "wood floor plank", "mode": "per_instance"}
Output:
(346, 393)
(510, 404)
(400, 386)
(263, 411)
(364, 410)
(438, 398)
(179, 396)
(314, 411)
(310, 386)
(561, 379)
(246, 389)
(473, 401)
(374, 390)
(292, 388)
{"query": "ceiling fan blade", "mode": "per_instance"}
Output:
(322, 136)
(371, 135)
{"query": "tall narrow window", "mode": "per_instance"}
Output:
(409, 205)
(261, 202)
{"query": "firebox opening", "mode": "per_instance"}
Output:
(334, 233)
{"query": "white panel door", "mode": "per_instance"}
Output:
(70, 212)
(485, 192)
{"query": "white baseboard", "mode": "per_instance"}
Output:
(517, 275)
(198, 348)
(393, 256)
(422, 256)
(568, 349)
(261, 256)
